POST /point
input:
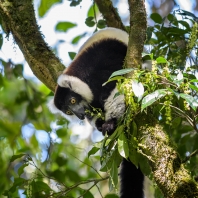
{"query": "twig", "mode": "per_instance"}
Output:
(87, 165)
(99, 190)
(191, 155)
(68, 189)
(190, 121)
(88, 190)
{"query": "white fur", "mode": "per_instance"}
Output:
(77, 85)
(114, 105)
(54, 110)
(92, 121)
(105, 33)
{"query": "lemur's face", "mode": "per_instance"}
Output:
(70, 102)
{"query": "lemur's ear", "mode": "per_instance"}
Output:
(76, 85)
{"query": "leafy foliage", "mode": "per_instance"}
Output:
(93, 19)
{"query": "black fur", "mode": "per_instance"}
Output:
(131, 181)
(94, 66)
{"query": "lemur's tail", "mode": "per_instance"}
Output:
(132, 181)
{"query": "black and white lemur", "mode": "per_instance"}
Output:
(80, 87)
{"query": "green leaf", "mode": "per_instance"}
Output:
(186, 13)
(90, 21)
(161, 60)
(21, 169)
(194, 87)
(14, 157)
(87, 194)
(156, 18)
(77, 38)
(185, 129)
(185, 24)
(9, 129)
(133, 156)
(18, 70)
(1, 80)
(93, 8)
(116, 133)
(42, 186)
(149, 33)
(134, 129)
(64, 26)
(114, 78)
(113, 180)
(171, 17)
(176, 31)
(194, 80)
(190, 100)
(101, 24)
(72, 55)
(58, 175)
(1, 40)
(121, 72)
(176, 122)
(108, 160)
(61, 161)
(17, 183)
(143, 164)
(123, 147)
(45, 5)
(133, 144)
(93, 151)
(75, 2)
(153, 97)
(21, 97)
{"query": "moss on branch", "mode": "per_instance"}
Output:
(169, 173)
(19, 18)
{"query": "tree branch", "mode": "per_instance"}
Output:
(19, 19)
(168, 171)
(137, 36)
(110, 14)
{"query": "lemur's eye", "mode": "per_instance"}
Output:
(68, 112)
(73, 101)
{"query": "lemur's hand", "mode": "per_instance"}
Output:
(109, 127)
(99, 122)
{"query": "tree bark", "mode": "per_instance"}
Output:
(169, 173)
(137, 34)
(110, 14)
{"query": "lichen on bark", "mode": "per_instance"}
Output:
(171, 176)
